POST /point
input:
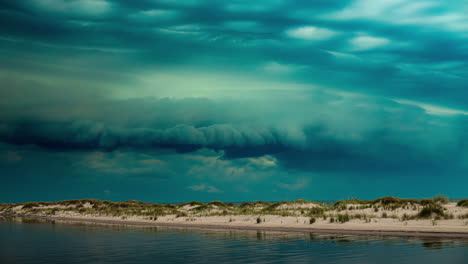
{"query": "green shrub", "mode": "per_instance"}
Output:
(463, 203)
(181, 214)
(202, 208)
(218, 203)
(316, 211)
(52, 211)
(389, 202)
(253, 204)
(441, 199)
(134, 202)
(395, 201)
(312, 220)
(431, 209)
(273, 206)
(448, 216)
(81, 201)
(360, 216)
(30, 205)
(341, 207)
(405, 217)
(192, 203)
(259, 220)
(463, 216)
(245, 204)
(426, 201)
(342, 218)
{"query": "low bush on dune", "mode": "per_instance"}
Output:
(126, 204)
(6, 207)
(431, 210)
(3, 205)
(78, 202)
(425, 202)
(301, 201)
(390, 203)
(316, 211)
(463, 216)
(245, 204)
(134, 202)
(218, 203)
(29, 205)
(181, 214)
(274, 206)
(390, 200)
(261, 204)
(259, 220)
(202, 208)
(441, 199)
(192, 203)
(406, 217)
(463, 203)
(343, 218)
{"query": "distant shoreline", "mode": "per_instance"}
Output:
(386, 216)
(249, 227)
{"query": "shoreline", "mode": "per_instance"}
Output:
(316, 230)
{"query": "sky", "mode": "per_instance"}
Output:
(180, 100)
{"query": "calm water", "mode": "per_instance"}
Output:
(27, 241)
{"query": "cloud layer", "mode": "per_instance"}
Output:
(351, 132)
(276, 97)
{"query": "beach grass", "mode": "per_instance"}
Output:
(340, 212)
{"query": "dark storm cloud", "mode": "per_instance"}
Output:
(348, 135)
(90, 135)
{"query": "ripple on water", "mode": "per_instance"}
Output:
(38, 242)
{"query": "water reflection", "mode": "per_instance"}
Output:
(438, 243)
(243, 235)
(22, 239)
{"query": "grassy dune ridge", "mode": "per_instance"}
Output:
(436, 209)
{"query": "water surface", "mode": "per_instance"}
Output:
(32, 241)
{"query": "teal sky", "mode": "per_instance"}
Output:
(179, 100)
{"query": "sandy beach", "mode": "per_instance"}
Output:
(345, 229)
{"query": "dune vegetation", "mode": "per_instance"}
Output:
(463, 203)
(366, 211)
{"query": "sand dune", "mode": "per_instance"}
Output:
(392, 217)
